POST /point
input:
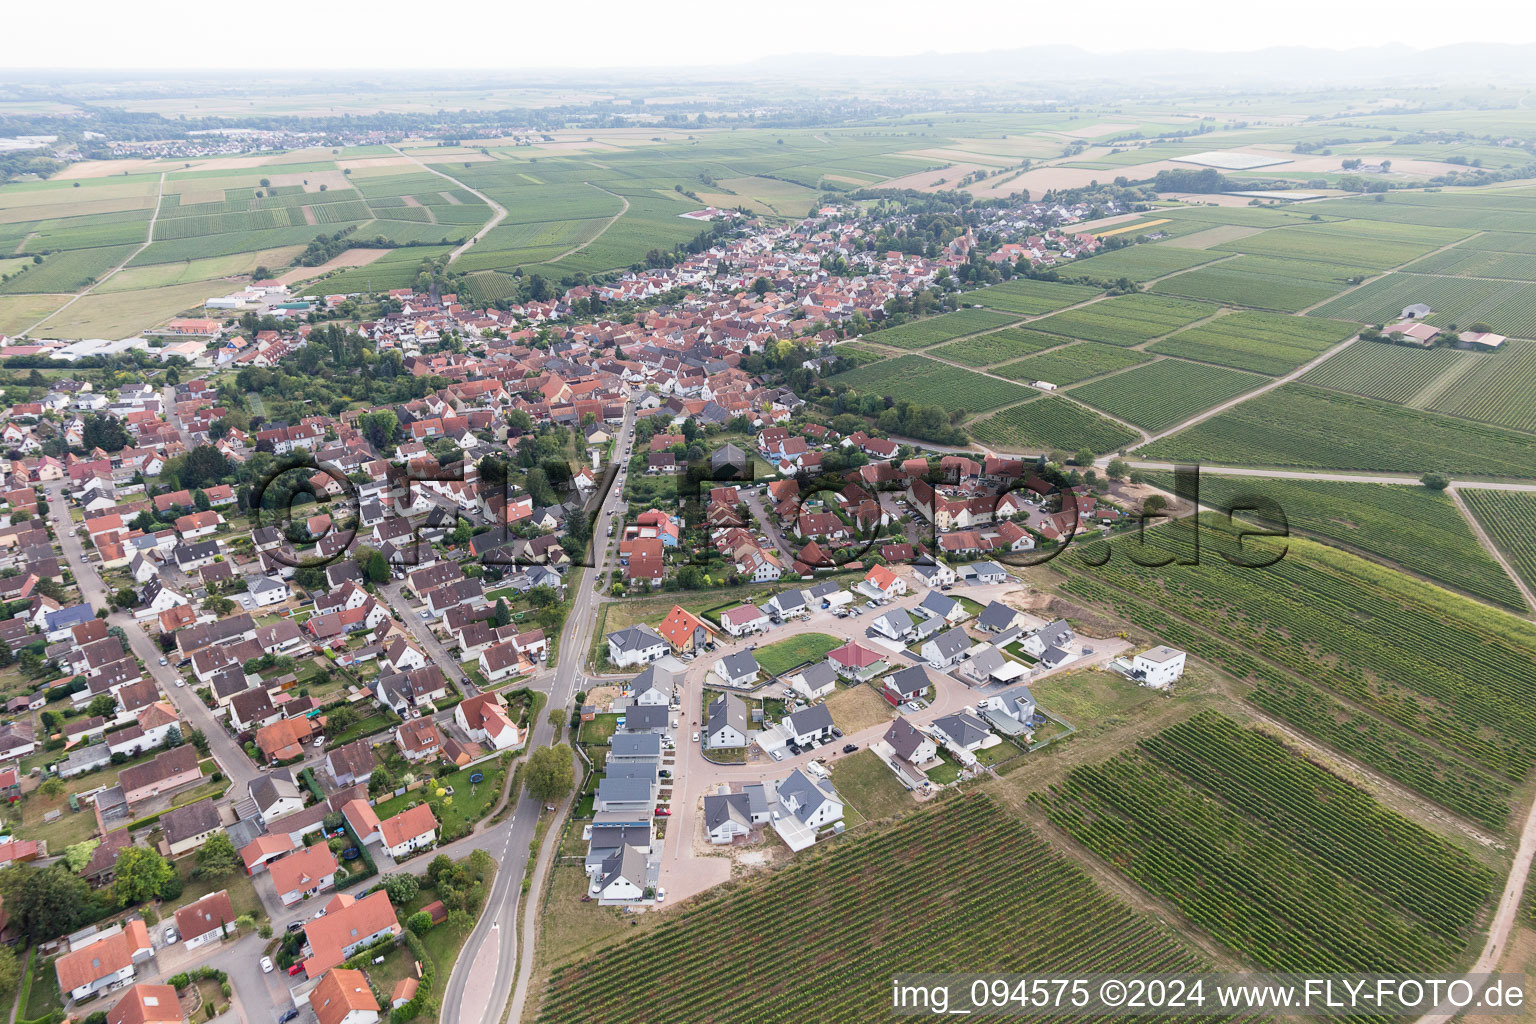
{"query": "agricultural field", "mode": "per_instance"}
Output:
(1127, 320)
(925, 382)
(1077, 361)
(1031, 298)
(1509, 307)
(395, 269)
(67, 271)
(18, 312)
(1161, 394)
(1359, 244)
(1050, 424)
(1392, 373)
(1262, 342)
(1509, 517)
(1466, 262)
(1288, 865)
(1426, 687)
(123, 314)
(998, 347)
(1265, 282)
(1412, 526)
(960, 856)
(934, 329)
(1142, 262)
(1499, 387)
(1304, 426)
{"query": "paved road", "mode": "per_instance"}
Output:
(1347, 478)
(421, 630)
(498, 212)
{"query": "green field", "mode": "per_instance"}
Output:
(1358, 244)
(1509, 517)
(1466, 262)
(1142, 262)
(1051, 424)
(925, 382)
(1077, 361)
(1127, 320)
(1420, 529)
(934, 329)
(1300, 425)
(1499, 387)
(783, 655)
(1287, 864)
(1030, 298)
(1509, 307)
(997, 347)
(1166, 392)
(67, 271)
(1392, 373)
(1266, 282)
(1261, 342)
(807, 915)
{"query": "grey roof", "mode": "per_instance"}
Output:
(819, 674)
(727, 710)
(986, 661)
(996, 617)
(985, 569)
(951, 643)
(812, 719)
(1012, 698)
(898, 620)
(904, 738)
(962, 728)
(653, 678)
(909, 680)
(624, 791)
(790, 600)
(628, 863)
(925, 628)
(928, 570)
(1055, 634)
(191, 820)
(644, 770)
(722, 807)
(607, 837)
(275, 786)
(640, 718)
(635, 638)
(262, 584)
(739, 664)
(805, 793)
(938, 603)
(629, 746)
(825, 588)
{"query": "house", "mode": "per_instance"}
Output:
(1053, 636)
(726, 723)
(485, 720)
(17, 740)
(1011, 710)
(169, 770)
(209, 919)
(628, 793)
(283, 740)
(252, 707)
(728, 815)
(987, 664)
(276, 796)
(636, 645)
(947, 648)
(628, 749)
(739, 670)
(344, 997)
(303, 874)
(882, 584)
(978, 573)
(910, 743)
(646, 718)
(418, 739)
(963, 733)
(907, 684)
(260, 852)
(105, 964)
(623, 875)
(996, 617)
(413, 829)
(655, 686)
(934, 574)
(147, 1004)
(856, 662)
(266, 591)
(814, 681)
(503, 661)
(942, 607)
(186, 828)
(807, 805)
(895, 624)
(743, 620)
(685, 631)
(809, 725)
(351, 762)
(788, 604)
(1158, 668)
(348, 925)
(364, 822)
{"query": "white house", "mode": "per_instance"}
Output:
(622, 877)
(814, 681)
(636, 645)
(1159, 667)
(806, 805)
(947, 648)
(1010, 710)
(809, 725)
(654, 686)
(726, 725)
(743, 620)
(910, 743)
(729, 815)
(207, 920)
(895, 624)
(266, 591)
(411, 830)
(739, 669)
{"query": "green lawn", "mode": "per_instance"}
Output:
(599, 732)
(44, 996)
(363, 727)
(945, 773)
(242, 894)
(784, 655)
(999, 753)
(456, 812)
(866, 783)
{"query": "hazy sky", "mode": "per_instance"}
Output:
(386, 34)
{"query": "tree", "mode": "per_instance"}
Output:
(200, 500)
(1116, 469)
(340, 719)
(198, 740)
(1435, 481)
(102, 706)
(78, 855)
(10, 969)
(379, 427)
(141, 874)
(217, 857)
(501, 616)
(125, 598)
(761, 286)
(45, 903)
(1084, 457)
(52, 787)
(401, 888)
(419, 922)
(550, 772)
(1155, 503)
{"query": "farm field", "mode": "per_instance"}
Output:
(1266, 282)
(925, 382)
(1166, 392)
(1371, 245)
(18, 312)
(1420, 529)
(997, 347)
(67, 271)
(964, 854)
(1077, 361)
(121, 314)
(1424, 686)
(1464, 262)
(395, 269)
(1509, 307)
(1392, 373)
(934, 329)
(1143, 262)
(1499, 387)
(163, 274)
(1030, 298)
(1509, 517)
(1262, 342)
(1127, 320)
(1048, 424)
(1285, 863)
(1304, 426)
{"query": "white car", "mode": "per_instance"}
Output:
(180, 681)
(661, 895)
(162, 661)
(266, 965)
(319, 741)
(913, 705)
(695, 737)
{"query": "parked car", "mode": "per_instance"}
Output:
(266, 965)
(661, 895)
(169, 936)
(664, 773)
(663, 812)
(695, 737)
(849, 748)
(292, 1013)
(837, 733)
(162, 661)
(295, 926)
(295, 969)
(426, 614)
(319, 741)
(913, 705)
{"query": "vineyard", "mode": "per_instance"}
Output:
(1300, 425)
(1369, 245)
(1462, 262)
(1076, 362)
(1051, 424)
(1262, 342)
(1500, 388)
(975, 890)
(1415, 527)
(67, 271)
(1287, 864)
(1510, 519)
(1128, 320)
(1392, 373)
(1031, 298)
(997, 347)
(1166, 392)
(1426, 687)
(1143, 262)
(1267, 282)
(925, 382)
(934, 329)
(1509, 307)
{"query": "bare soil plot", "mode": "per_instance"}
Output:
(350, 258)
